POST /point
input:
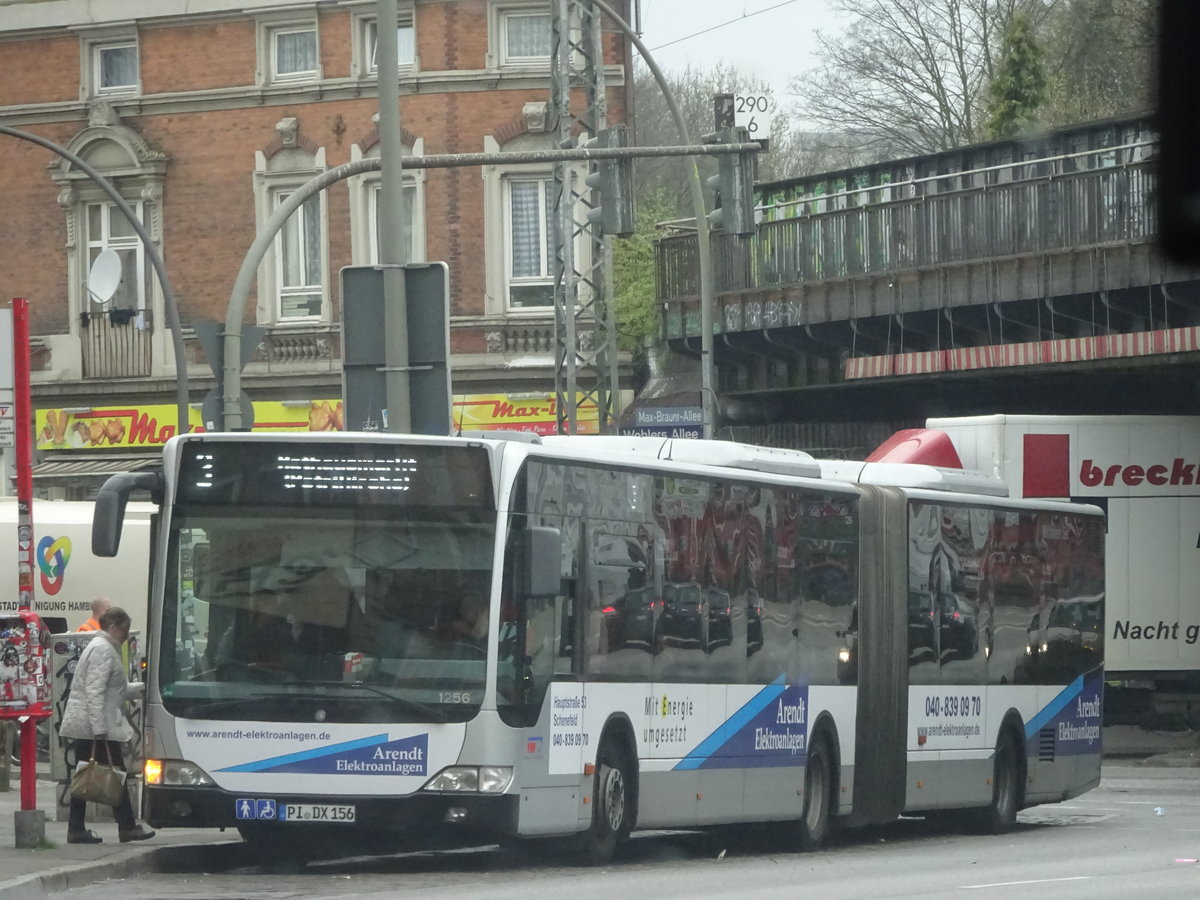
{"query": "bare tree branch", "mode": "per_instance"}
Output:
(907, 76)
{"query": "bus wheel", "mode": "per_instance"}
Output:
(818, 788)
(611, 813)
(1006, 787)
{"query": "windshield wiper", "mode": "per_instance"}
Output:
(196, 708)
(413, 706)
(274, 702)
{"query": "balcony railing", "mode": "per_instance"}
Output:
(310, 349)
(1023, 209)
(116, 343)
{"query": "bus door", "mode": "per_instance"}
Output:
(882, 619)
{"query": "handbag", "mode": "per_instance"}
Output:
(96, 782)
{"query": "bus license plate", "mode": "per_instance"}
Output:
(315, 812)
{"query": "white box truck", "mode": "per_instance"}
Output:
(66, 576)
(1145, 471)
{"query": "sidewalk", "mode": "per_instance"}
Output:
(62, 866)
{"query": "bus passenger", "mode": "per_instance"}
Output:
(471, 624)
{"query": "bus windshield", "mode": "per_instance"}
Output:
(342, 609)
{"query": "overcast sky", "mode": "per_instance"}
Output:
(770, 39)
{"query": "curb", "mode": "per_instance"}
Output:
(134, 862)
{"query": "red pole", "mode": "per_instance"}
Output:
(23, 440)
(29, 763)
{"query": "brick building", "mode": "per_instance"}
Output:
(205, 116)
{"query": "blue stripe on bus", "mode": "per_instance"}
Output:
(733, 725)
(306, 754)
(1054, 707)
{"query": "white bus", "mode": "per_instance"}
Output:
(678, 634)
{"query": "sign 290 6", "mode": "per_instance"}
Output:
(754, 112)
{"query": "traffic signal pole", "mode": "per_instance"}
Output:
(244, 281)
(393, 229)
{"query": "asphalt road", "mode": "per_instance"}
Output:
(1138, 835)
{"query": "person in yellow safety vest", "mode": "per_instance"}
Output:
(99, 607)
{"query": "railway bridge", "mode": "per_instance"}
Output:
(1016, 276)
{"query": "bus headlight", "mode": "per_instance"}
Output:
(477, 779)
(174, 773)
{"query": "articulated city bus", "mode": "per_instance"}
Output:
(481, 638)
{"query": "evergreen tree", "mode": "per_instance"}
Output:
(1018, 89)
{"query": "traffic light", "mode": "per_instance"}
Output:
(613, 182)
(733, 208)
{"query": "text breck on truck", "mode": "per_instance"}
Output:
(1180, 472)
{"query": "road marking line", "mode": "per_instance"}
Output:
(971, 887)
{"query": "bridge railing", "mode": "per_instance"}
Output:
(1022, 209)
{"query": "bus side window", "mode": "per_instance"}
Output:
(201, 560)
(565, 604)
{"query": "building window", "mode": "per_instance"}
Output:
(116, 68)
(108, 229)
(416, 248)
(110, 66)
(298, 262)
(294, 53)
(529, 204)
(525, 37)
(406, 46)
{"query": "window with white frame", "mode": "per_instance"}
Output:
(293, 51)
(299, 269)
(406, 46)
(109, 229)
(525, 36)
(114, 67)
(529, 257)
(416, 248)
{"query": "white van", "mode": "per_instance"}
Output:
(66, 576)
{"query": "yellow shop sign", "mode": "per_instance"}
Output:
(109, 428)
(533, 411)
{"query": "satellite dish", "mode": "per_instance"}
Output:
(105, 276)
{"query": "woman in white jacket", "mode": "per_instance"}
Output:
(95, 720)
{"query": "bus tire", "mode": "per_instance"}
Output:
(817, 819)
(1001, 815)
(611, 812)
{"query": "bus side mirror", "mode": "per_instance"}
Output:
(109, 513)
(543, 560)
